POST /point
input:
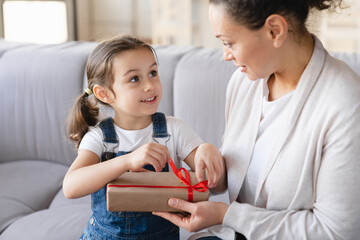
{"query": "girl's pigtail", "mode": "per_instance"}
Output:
(83, 114)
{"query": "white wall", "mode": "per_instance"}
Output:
(100, 19)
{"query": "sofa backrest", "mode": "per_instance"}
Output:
(38, 86)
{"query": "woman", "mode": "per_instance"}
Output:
(291, 143)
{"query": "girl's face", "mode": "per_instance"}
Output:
(137, 85)
(250, 50)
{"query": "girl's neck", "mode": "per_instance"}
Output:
(296, 56)
(132, 122)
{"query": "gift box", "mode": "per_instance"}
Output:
(150, 191)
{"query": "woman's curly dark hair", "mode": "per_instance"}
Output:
(253, 13)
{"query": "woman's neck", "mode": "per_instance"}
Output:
(296, 56)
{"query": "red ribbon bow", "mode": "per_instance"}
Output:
(199, 187)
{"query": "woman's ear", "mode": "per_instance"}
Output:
(277, 29)
(103, 94)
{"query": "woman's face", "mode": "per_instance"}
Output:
(250, 50)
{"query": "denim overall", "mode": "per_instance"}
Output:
(127, 225)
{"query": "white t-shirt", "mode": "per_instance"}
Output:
(273, 117)
(182, 141)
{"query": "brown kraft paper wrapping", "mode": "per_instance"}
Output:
(140, 199)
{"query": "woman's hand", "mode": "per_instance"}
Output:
(208, 157)
(154, 154)
(199, 215)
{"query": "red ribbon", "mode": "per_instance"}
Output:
(199, 187)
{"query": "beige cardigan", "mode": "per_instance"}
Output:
(310, 188)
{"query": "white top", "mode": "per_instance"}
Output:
(274, 115)
(182, 141)
(309, 187)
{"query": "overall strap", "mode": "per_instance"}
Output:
(159, 131)
(159, 125)
(109, 137)
(108, 130)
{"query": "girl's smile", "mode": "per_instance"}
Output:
(149, 100)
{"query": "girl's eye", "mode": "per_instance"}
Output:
(134, 79)
(153, 74)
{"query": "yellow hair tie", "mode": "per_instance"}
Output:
(88, 91)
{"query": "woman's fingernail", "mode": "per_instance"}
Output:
(172, 202)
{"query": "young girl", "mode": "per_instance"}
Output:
(123, 73)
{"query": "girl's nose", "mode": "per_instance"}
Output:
(149, 85)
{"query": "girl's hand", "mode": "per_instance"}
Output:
(201, 215)
(154, 154)
(208, 157)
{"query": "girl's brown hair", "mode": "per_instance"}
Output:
(85, 111)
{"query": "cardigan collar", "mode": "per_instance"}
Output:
(306, 83)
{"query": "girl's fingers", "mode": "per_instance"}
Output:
(158, 158)
(152, 153)
(155, 163)
(160, 152)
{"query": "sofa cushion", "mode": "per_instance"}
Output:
(61, 201)
(56, 224)
(11, 210)
(27, 186)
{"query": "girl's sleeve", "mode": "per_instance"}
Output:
(92, 141)
(186, 138)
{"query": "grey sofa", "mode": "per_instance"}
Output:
(38, 85)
